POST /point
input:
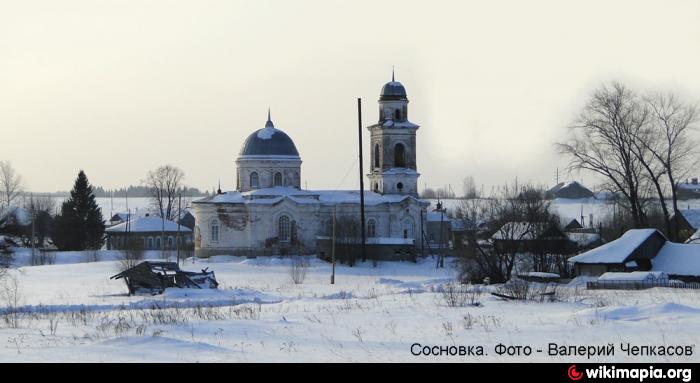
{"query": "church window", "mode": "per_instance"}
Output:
(278, 179)
(254, 180)
(376, 155)
(297, 180)
(371, 228)
(215, 231)
(158, 242)
(284, 228)
(399, 156)
(399, 186)
(171, 242)
(376, 187)
(397, 114)
(150, 242)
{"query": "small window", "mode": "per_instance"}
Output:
(284, 228)
(150, 242)
(215, 231)
(371, 228)
(171, 242)
(376, 187)
(254, 180)
(397, 114)
(158, 243)
(278, 179)
(399, 186)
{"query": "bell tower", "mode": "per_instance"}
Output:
(393, 144)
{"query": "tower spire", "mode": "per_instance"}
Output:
(392, 73)
(269, 123)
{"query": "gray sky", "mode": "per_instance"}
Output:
(120, 87)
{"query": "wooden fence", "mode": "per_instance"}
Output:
(639, 285)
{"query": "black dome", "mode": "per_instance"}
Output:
(393, 90)
(269, 142)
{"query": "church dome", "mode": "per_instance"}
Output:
(269, 141)
(393, 90)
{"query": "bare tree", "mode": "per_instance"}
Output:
(297, 269)
(164, 185)
(40, 208)
(602, 141)
(10, 184)
(674, 147)
(469, 188)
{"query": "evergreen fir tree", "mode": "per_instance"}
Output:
(80, 225)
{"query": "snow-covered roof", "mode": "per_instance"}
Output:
(148, 224)
(583, 239)
(678, 259)
(695, 238)
(569, 189)
(689, 186)
(436, 216)
(692, 216)
(539, 274)
(277, 194)
(633, 276)
(616, 251)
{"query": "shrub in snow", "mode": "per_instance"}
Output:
(298, 268)
(459, 295)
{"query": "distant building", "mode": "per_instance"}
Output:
(570, 190)
(532, 237)
(689, 189)
(151, 231)
(118, 218)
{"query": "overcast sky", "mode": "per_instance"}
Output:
(119, 87)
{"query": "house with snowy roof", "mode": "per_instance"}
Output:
(151, 232)
(631, 252)
(570, 190)
(270, 213)
(641, 250)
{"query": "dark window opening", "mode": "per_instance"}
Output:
(399, 156)
(376, 155)
(397, 114)
(399, 186)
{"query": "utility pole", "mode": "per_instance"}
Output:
(179, 216)
(333, 249)
(362, 182)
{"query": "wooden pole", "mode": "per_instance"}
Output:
(362, 182)
(179, 216)
(333, 250)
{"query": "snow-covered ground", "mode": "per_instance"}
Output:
(74, 312)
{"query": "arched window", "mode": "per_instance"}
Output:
(254, 180)
(376, 155)
(171, 243)
(215, 231)
(399, 186)
(150, 242)
(408, 228)
(284, 229)
(397, 115)
(158, 242)
(371, 228)
(399, 156)
(376, 187)
(297, 180)
(278, 179)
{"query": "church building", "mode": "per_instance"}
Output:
(269, 213)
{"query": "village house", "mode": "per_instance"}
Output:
(570, 190)
(641, 250)
(150, 231)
